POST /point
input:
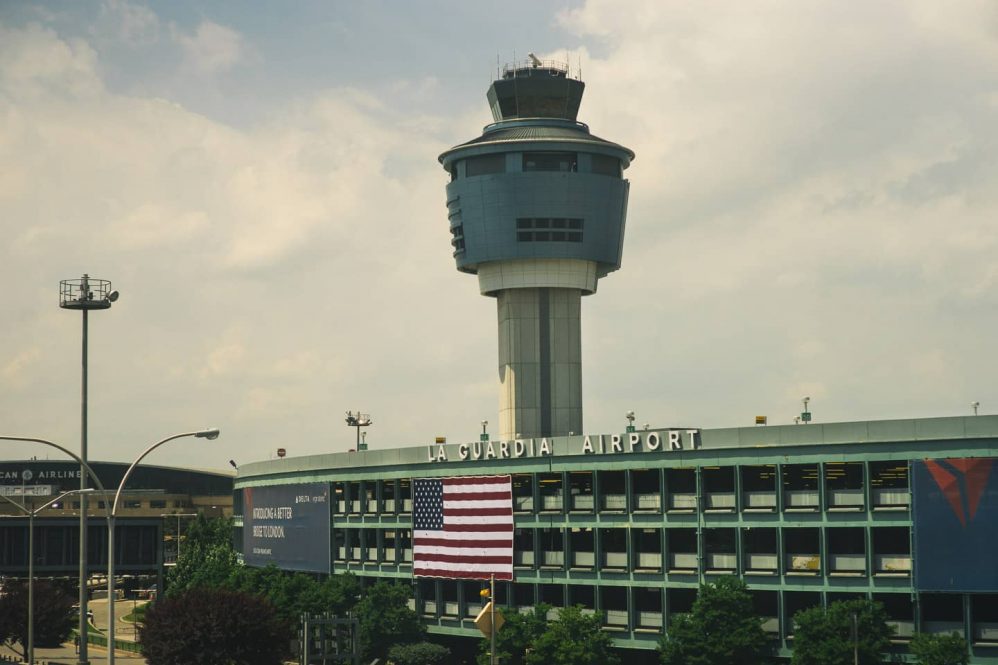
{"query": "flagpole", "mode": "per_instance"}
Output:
(492, 604)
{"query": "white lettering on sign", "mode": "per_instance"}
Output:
(632, 442)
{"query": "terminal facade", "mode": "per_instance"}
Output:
(629, 525)
(151, 513)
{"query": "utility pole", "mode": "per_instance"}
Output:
(492, 604)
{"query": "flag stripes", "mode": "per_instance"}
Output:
(463, 527)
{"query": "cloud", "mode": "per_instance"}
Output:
(813, 178)
(130, 23)
(812, 212)
(212, 48)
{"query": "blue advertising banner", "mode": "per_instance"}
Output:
(288, 526)
(955, 524)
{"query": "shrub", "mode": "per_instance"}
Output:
(205, 626)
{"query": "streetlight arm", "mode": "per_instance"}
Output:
(124, 479)
(31, 512)
(62, 496)
(201, 434)
(84, 465)
(19, 506)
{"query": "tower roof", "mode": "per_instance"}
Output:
(535, 89)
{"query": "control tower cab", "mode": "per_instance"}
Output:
(536, 206)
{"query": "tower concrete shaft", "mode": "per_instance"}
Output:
(540, 362)
(537, 207)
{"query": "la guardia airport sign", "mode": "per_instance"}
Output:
(632, 442)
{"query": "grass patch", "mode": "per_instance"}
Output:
(138, 615)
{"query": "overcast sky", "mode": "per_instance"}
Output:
(813, 211)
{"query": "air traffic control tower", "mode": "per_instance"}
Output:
(536, 206)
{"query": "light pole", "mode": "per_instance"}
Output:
(359, 420)
(109, 513)
(84, 294)
(210, 434)
(975, 405)
(31, 512)
(86, 470)
(178, 516)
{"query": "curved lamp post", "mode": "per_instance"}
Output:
(31, 512)
(109, 510)
(209, 434)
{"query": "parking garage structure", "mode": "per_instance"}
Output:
(630, 525)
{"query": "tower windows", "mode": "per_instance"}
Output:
(550, 161)
(548, 229)
(605, 165)
(457, 238)
(484, 165)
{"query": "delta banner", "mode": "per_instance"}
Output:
(288, 526)
(955, 524)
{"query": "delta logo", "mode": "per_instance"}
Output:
(962, 482)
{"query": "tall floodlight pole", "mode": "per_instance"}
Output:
(31, 512)
(84, 294)
(359, 420)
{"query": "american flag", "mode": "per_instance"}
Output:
(463, 527)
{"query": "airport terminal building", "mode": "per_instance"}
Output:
(629, 525)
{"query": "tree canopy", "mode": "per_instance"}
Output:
(574, 638)
(207, 558)
(519, 632)
(213, 626)
(823, 636)
(385, 620)
(54, 613)
(419, 653)
(722, 629)
(930, 649)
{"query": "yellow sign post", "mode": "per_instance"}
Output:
(484, 620)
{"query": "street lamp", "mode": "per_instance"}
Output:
(84, 294)
(359, 420)
(31, 512)
(975, 405)
(209, 434)
(86, 470)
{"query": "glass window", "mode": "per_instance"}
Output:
(542, 232)
(604, 165)
(484, 165)
(550, 161)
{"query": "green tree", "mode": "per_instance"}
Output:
(929, 649)
(518, 633)
(213, 626)
(207, 558)
(384, 620)
(573, 638)
(823, 636)
(54, 614)
(295, 593)
(722, 629)
(419, 653)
